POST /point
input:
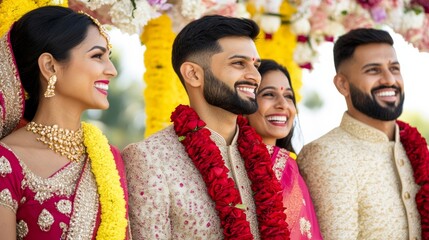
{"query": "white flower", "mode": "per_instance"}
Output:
(333, 29)
(272, 6)
(192, 9)
(95, 4)
(303, 53)
(241, 11)
(394, 17)
(301, 26)
(129, 20)
(412, 20)
(270, 23)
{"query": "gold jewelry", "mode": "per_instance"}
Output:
(51, 87)
(101, 29)
(63, 141)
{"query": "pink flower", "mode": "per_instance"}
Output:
(367, 4)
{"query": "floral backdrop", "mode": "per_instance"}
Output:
(291, 32)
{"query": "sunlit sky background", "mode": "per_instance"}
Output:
(314, 123)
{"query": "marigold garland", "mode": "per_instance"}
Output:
(417, 151)
(12, 10)
(112, 198)
(164, 90)
(221, 188)
(280, 46)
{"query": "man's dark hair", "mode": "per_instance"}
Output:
(199, 39)
(268, 65)
(346, 44)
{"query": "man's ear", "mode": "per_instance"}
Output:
(47, 65)
(192, 73)
(342, 84)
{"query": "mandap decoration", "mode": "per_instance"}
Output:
(291, 32)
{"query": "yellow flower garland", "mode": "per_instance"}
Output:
(164, 90)
(12, 10)
(112, 198)
(281, 47)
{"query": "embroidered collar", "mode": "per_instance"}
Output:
(361, 130)
(207, 159)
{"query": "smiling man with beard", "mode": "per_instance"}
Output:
(209, 174)
(360, 174)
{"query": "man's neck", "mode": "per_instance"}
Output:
(218, 120)
(388, 127)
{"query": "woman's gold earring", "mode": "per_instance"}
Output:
(51, 87)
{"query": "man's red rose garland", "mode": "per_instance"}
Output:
(221, 188)
(417, 151)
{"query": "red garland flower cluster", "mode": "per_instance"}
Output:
(208, 160)
(417, 151)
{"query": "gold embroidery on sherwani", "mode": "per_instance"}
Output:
(5, 167)
(7, 200)
(85, 207)
(45, 220)
(21, 229)
(64, 206)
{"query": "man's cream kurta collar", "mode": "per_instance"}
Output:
(220, 141)
(363, 131)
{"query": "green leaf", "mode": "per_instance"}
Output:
(241, 206)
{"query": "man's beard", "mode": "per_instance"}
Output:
(369, 106)
(218, 94)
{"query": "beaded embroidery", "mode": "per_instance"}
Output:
(7, 200)
(21, 229)
(5, 167)
(45, 220)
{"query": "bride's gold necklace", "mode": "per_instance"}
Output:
(63, 141)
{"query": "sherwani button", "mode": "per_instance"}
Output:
(407, 195)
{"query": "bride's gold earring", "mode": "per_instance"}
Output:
(51, 87)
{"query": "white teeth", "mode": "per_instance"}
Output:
(245, 89)
(277, 118)
(102, 86)
(386, 94)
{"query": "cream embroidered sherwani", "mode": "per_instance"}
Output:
(361, 183)
(168, 198)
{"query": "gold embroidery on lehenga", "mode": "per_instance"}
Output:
(64, 229)
(7, 200)
(5, 167)
(23, 199)
(45, 220)
(64, 206)
(21, 229)
(11, 91)
(305, 227)
(62, 183)
(85, 207)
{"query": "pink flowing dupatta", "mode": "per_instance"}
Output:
(302, 220)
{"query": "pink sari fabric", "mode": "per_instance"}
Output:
(49, 212)
(301, 217)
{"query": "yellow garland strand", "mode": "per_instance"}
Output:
(112, 198)
(164, 90)
(12, 10)
(281, 47)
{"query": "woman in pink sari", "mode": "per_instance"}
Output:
(59, 177)
(274, 122)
